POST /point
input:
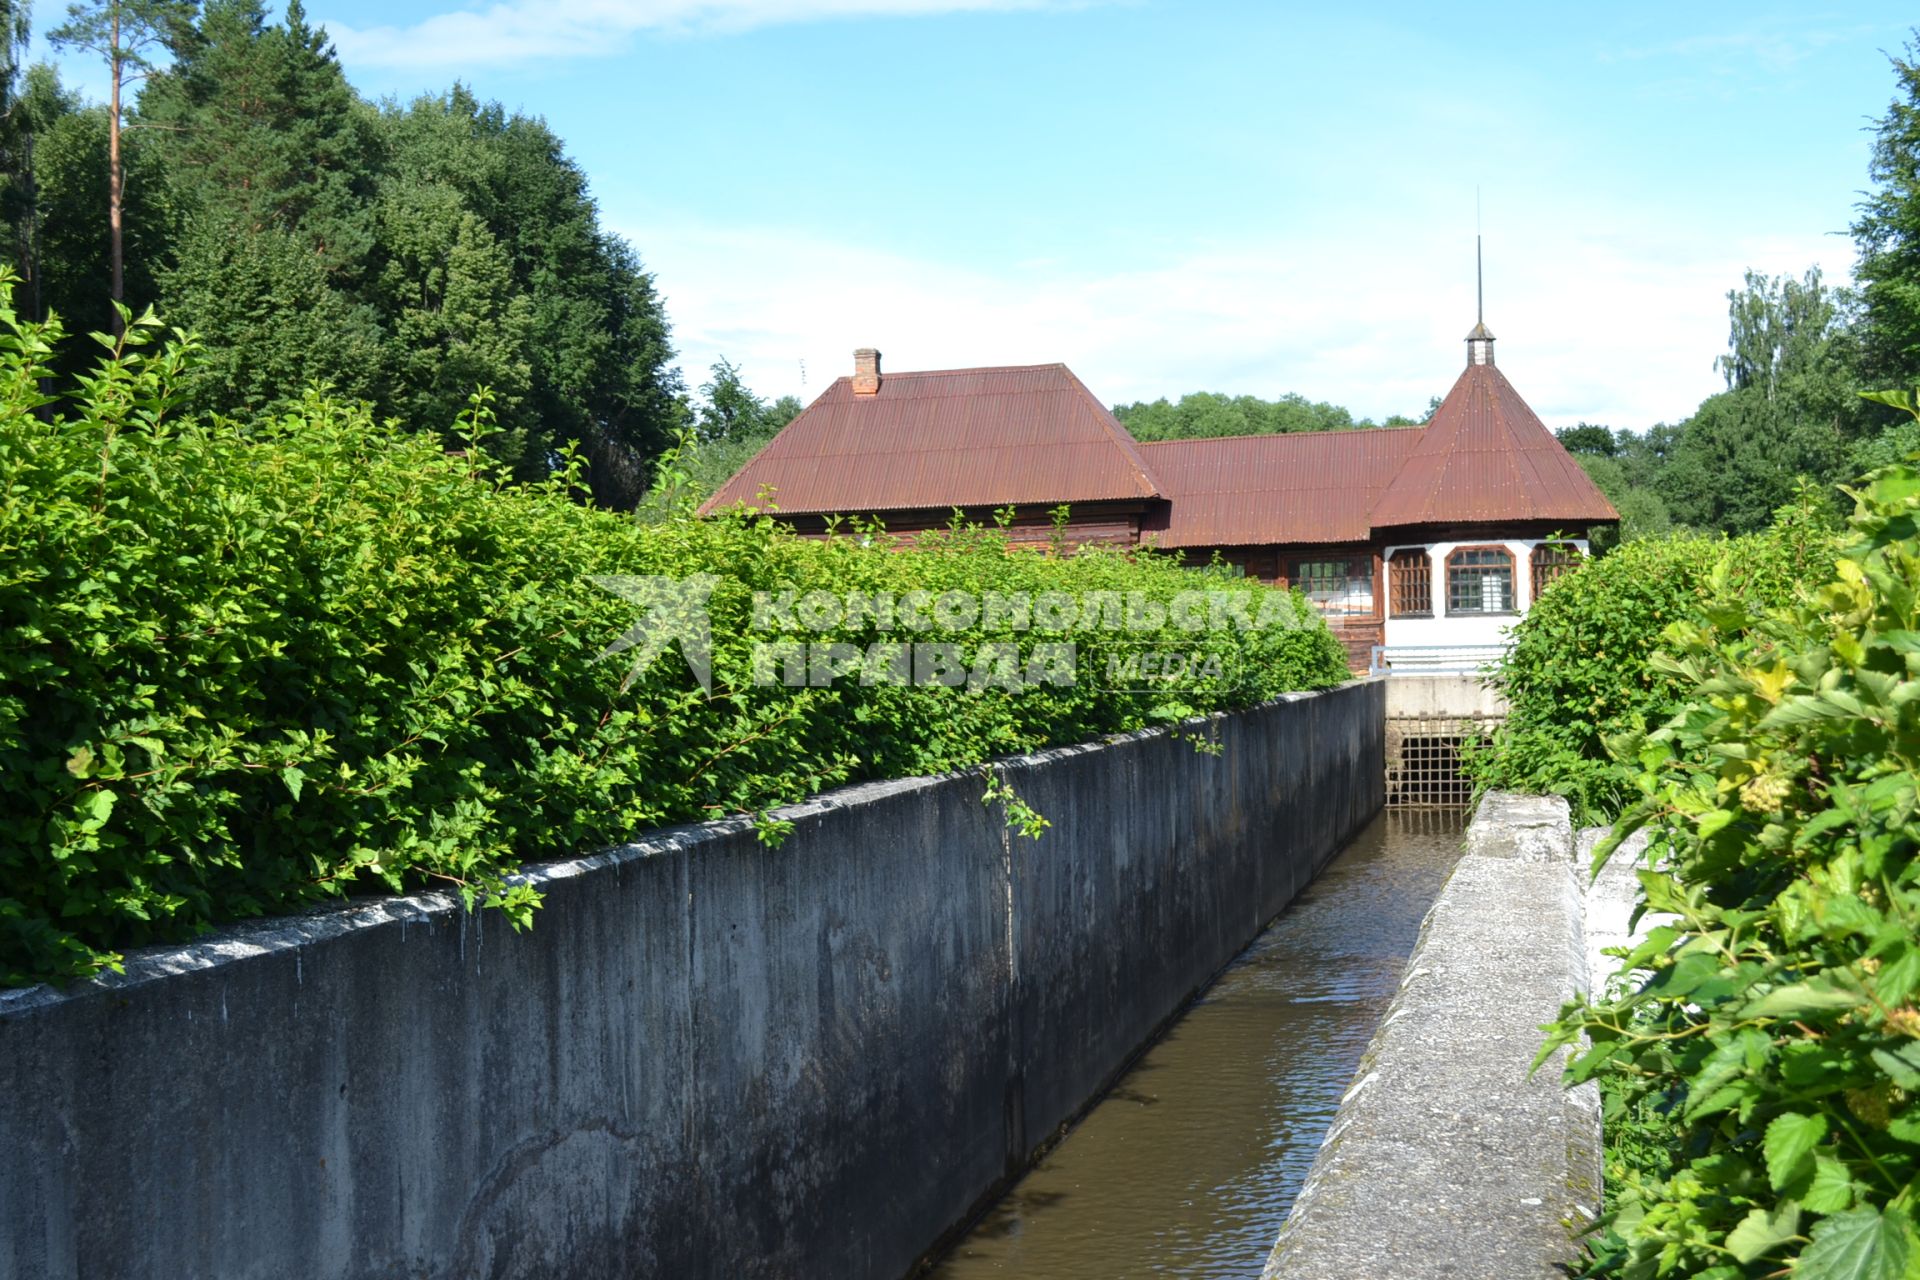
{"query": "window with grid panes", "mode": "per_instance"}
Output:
(1410, 583)
(1480, 580)
(1337, 587)
(1550, 560)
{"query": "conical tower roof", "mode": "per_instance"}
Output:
(1484, 457)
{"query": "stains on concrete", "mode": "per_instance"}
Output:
(708, 1058)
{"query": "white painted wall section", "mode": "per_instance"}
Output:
(1472, 629)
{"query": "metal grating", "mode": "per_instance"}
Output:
(1410, 579)
(1423, 760)
(1550, 560)
(1428, 821)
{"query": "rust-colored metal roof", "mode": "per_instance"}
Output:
(947, 438)
(1304, 487)
(1485, 456)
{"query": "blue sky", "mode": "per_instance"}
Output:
(1181, 196)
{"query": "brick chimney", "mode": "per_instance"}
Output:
(866, 372)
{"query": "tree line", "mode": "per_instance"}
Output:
(1798, 355)
(401, 254)
(1207, 415)
(405, 254)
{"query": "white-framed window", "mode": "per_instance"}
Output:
(1338, 586)
(1480, 580)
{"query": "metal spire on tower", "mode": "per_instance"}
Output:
(1480, 340)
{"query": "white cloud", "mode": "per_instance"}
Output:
(526, 30)
(1592, 327)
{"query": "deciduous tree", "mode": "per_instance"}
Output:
(1886, 234)
(1788, 410)
(1206, 414)
(599, 373)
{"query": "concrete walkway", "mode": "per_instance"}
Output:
(1446, 1159)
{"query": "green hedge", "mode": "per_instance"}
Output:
(1772, 1040)
(1580, 669)
(251, 665)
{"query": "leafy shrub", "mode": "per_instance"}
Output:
(251, 665)
(1777, 1036)
(1579, 671)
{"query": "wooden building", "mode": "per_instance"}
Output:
(1416, 543)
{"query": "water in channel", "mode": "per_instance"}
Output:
(1189, 1164)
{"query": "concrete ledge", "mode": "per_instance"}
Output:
(1445, 1159)
(1611, 899)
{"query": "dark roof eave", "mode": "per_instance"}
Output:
(1122, 499)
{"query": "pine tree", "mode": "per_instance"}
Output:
(63, 246)
(404, 256)
(458, 323)
(272, 159)
(273, 322)
(123, 33)
(263, 130)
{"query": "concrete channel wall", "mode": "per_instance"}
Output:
(1446, 1160)
(707, 1058)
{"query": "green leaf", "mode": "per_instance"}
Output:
(1761, 1232)
(1798, 999)
(80, 763)
(1805, 1063)
(1860, 1244)
(1902, 1064)
(294, 779)
(1899, 978)
(1821, 823)
(1802, 709)
(1892, 399)
(1789, 1146)
(1845, 705)
(1832, 1186)
(98, 806)
(1905, 1127)
(1714, 821)
(1724, 1098)
(1840, 915)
